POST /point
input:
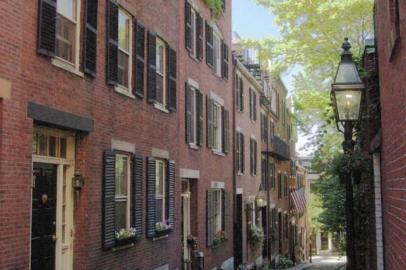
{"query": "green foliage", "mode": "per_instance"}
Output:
(216, 6)
(284, 263)
(256, 236)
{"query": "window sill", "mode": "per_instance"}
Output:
(160, 107)
(218, 153)
(60, 63)
(240, 174)
(194, 58)
(124, 91)
(193, 146)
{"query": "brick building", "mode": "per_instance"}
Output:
(251, 196)
(205, 104)
(86, 86)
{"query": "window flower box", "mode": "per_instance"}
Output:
(218, 239)
(162, 228)
(126, 237)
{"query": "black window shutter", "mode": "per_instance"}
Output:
(152, 67)
(255, 157)
(225, 130)
(112, 42)
(210, 217)
(237, 93)
(243, 153)
(224, 5)
(224, 66)
(138, 194)
(188, 26)
(188, 113)
(171, 77)
(199, 118)
(171, 183)
(226, 212)
(109, 185)
(209, 46)
(255, 105)
(237, 152)
(151, 208)
(210, 123)
(242, 94)
(200, 38)
(250, 100)
(251, 154)
(47, 27)
(139, 59)
(90, 51)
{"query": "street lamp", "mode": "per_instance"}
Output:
(346, 93)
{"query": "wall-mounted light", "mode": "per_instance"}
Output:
(78, 181)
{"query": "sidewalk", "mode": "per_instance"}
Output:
(324, 261)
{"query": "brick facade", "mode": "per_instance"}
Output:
(390, 30)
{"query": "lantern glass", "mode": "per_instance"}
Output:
(348, 104)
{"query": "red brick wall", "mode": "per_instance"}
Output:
(250, 184)
(35, 79)
(393, 102)
(212, 167)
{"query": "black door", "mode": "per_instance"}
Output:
(43, 217)
(264, 226)
(238, 232)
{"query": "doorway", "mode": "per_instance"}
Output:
(52, 200)
(186, 230)
(238, 235)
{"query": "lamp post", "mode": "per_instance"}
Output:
(346, 93)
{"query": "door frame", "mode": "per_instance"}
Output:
(186, 197)
(64, 173)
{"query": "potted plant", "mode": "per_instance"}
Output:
(125, 236)
(219, 238)
(256, 236)
(284, 263)
(162, 228)
(192, 241)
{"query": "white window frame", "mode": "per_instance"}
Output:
(126, 90)
(219, 209)
(163, 195)
(65, 64)
(194, 31)
(217, 126)
(193, 93)
(161, 43)
(217, 53)
(118, 198)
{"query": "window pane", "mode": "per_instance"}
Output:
(121, 176)
(121, 213)
(123, 60)
(52, 146)
(123, 31)
(65, 38)
(67, 8)
(159, 210)
(43, 145)
(160, 58)
(63, 148)
(159, 179)
(35, 144)
(159, 88)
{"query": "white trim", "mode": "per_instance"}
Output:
(65, 65)
(193, 83)
(160, 153)
(216, 98)
(122, 146)
(124, 91)
(189, 173)
(129, 53)
(239, 191)
(160, 107)
(238, 129)
(218, 185)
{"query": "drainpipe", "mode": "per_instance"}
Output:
(234, 186)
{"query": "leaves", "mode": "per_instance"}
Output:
(216, 6)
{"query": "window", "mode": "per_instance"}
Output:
(264, 127)
(218, 203)
(217, 143)
(217, 53)
(124, 49)
(67, 31)
(239, 93)
(253, 156)
(240, 153)
(264, 172)
(253, 105)
(280, 185)
(49, 145)
(161, 72)
(160, 189)
(122, 192)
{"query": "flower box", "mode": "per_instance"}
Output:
(160, 233)
(125, 241)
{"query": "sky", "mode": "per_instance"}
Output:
(253, 21)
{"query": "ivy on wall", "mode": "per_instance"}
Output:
(216, 6)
